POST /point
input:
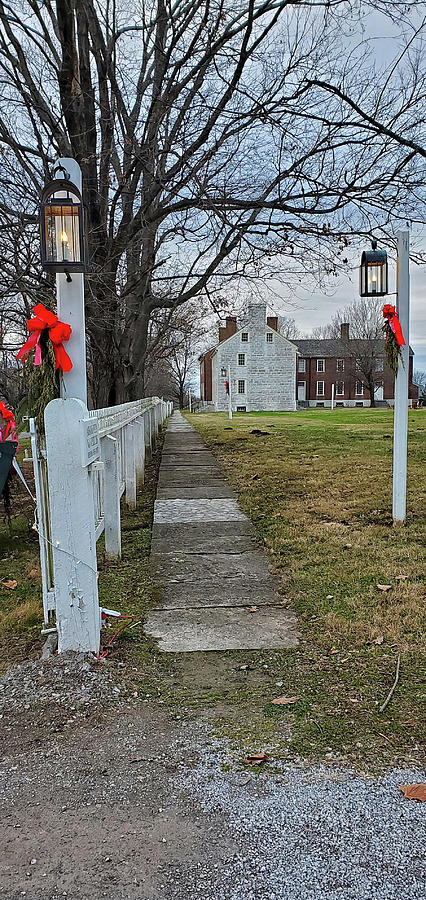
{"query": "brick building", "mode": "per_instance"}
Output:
(268, 372)
(324, 363)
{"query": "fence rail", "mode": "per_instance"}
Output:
(82, 467)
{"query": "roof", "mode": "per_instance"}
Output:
(244, 328)
(336, 347)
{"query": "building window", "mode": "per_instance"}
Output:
(320, 388)
(379, 365)
(269, 337)
(241, 409)
(340, 365)
(340, 403)
(241, 386)
(244, 337)
(320, 365)
(302, 365)
(241, 359)
(359, 389)
(340, 388)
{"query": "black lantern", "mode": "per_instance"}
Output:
(62, 226)
(373, 272)
(223, 373)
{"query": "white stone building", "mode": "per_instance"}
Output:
(261, 362)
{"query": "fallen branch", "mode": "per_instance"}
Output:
(389, 696)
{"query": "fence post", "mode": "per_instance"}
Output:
(110, 458)
(147, 430)
(130, 464)
(153, 431)
(140, 449)
(72, 526)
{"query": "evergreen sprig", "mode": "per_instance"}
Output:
(392, 349)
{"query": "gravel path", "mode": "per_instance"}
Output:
(118, 799)
(313, 833)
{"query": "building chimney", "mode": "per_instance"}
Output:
(272, 322)
(229, 329)
(344, 331)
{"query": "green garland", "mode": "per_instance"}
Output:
(43, 382)
(392, 349)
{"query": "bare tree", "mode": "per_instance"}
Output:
(288, 328)
(419, 378)
(363, 342)
(176, 340)
(208, 153)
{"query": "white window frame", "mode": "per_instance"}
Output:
(320, 393)
(244, 337)
(340, 365)
(357, 392)
(302, 365)
(269, 337)
(239, 355)
(319, 369)
(241, 381)
(340, 393)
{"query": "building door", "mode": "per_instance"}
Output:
(378, 391)
(301, 391)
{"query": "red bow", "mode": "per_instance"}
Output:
(58, 332)
(9, 418)
(390, 313)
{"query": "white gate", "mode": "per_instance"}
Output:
(88, 460)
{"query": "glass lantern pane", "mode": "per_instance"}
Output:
(71, 225)
(374, 279)
(52, 213)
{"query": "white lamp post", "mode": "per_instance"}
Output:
(374, 283)
(64, 251)
(226, 373)
(400, 421)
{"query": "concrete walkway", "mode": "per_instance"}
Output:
(217, 591)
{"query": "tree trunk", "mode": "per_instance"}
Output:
(371, 386)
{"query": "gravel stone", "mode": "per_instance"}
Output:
(316, 833)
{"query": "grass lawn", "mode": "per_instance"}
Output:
(317, 486)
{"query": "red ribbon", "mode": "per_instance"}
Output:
(390, 313)
(58, 332)
(9, 418)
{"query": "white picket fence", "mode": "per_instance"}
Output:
(82, 468)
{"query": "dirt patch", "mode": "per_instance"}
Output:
(87, 808)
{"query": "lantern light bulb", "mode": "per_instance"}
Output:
(64, 237)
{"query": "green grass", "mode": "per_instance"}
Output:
(21, 608)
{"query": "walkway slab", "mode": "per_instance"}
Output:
(177, 567)
(217, 592)
(223, 629)
(208, 510)
(224, 591)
